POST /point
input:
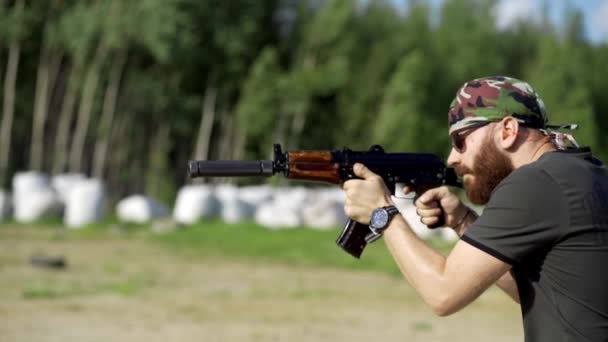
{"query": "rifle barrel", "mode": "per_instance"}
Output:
(230, 168)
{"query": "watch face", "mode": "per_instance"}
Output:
(379, 218)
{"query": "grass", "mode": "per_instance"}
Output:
(297, 246)
(215, 239)
(291, 246)
(50, 289)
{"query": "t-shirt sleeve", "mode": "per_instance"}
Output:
(524, 215)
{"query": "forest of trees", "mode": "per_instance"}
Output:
(129, 90)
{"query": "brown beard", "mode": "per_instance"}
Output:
(490, 167)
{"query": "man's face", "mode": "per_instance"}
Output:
(488, 168)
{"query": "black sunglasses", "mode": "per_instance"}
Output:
(458, 138)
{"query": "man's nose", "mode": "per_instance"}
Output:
(454, 157)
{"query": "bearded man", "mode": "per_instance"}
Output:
(543, 233)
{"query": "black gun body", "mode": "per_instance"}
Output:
(420, 171)
(414, 169)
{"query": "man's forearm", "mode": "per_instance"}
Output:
(444, 284)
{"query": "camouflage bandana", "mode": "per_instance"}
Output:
(492, 98)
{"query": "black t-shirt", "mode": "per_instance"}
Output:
(549, 220)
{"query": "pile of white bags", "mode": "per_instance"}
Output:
(65, 183)
(325, 210)
(140, 209)
(284, 210)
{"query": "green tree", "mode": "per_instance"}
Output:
(558, 75)
(83, 18)
(259, 104)
(405, 122)
(49, 65)
(379, 45)
(467, 41)
(228, 38)
(320, 69)
(150, 27)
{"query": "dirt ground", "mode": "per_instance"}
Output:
(133, 290)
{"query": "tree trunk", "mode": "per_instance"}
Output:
(85, 108)
(158, 181)
(226, 140)
(300, 116)
(41, 105)
(107, 114)
(48, 69)
(56, 89)
(61, 149)
(207, 118)
(240, 143)
(8, 108)
(297, 127)
(118, 159)
(226, 136)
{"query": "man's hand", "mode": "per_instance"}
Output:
(454, 212)
(365, 195)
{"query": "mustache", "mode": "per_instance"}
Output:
(461, 170)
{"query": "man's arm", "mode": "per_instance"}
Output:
(426, 209)
(446, 284)
(508, 284)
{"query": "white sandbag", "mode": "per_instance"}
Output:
(291, 197)
(333, 193)
(6, 206)
(140, 209)
(232, 208)
(236, 210)
(255, 195)
(273, 216)
(225, 191)
(194, 203)
(65, 183)
(34, 198)
(85, 204)
(324, 214)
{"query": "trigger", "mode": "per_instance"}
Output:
(400, 194)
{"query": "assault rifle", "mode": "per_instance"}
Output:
(419, 171)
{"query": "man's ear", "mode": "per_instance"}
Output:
(509, 129)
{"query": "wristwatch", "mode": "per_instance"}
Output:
(381, 217)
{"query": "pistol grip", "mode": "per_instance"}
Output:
(352, 238)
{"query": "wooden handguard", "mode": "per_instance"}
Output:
(313, 166)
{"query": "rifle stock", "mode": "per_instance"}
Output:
(420, 171)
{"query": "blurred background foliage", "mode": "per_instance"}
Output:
(129, 91)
